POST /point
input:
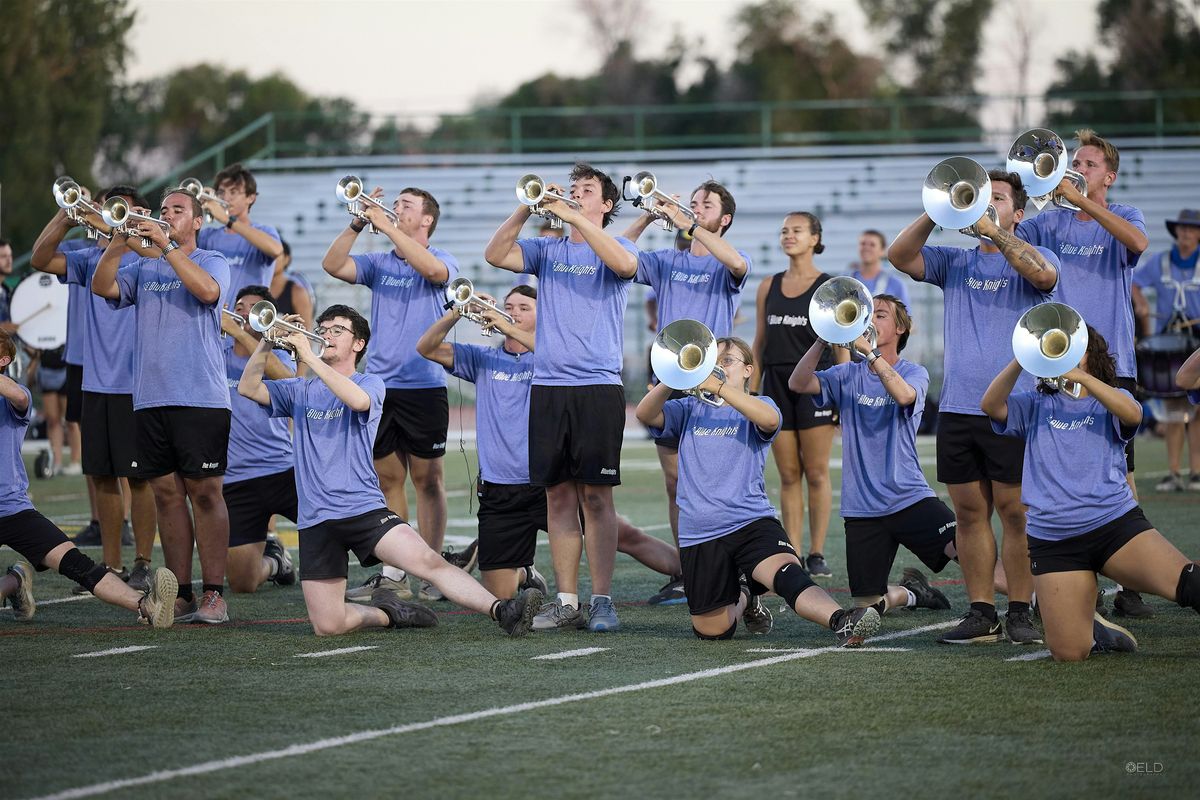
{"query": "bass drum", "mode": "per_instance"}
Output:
(1159, 357)
(39, 310)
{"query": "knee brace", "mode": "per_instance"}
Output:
(81, 569)
(719, 637)
(790, 581)
(1187, 593)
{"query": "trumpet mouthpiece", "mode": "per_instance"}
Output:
(690, 356)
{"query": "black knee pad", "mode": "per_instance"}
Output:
(81, 569)
(1187, 593)
(719, 637)
(790, 581)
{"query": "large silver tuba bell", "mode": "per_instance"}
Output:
(683, 355)
(840, 310)
(957, 193)
(1040, 157)
(1049, 340)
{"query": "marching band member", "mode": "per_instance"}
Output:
(732, 547)
(870, 272)
(703, 282)
(334, 416)
(39, 541)
(577, 400)
(406, 297)
(1084, 522)
(781, 338)
(986, 290)
(250, 248)
(886, 501)
(180, 400)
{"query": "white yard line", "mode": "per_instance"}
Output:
(1034, 656)
(583, 651)
(116, 651)
(836, 650)
(339, 652)
(75, 598)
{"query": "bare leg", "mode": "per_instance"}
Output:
(212, 527)
(331, 615)
(392, 473)
(1193, 438)
(1147, 563)
(974, 540)
(73, 439)
(52, 407)
(247, 568)
(816, 444)
(1067, 603)
(600, 521)
(1173, 432)
(431, 499)
(715, 623)
(111, 510)
(110, 589)
(1015, 545)
(144, 517)
(174, 525)
(566, 535)
(786, 450)
(669, 460)
(646, 549)
(402, 547)
(814, 603)
(501, 582)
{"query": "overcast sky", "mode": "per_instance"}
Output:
(440, 55)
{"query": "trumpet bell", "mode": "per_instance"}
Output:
(115, 212)
(956, 192)
(840, 310)
(349, 189)
(684, 354)
(192, 186)
(459, 291)
(1049, 340)
(645, 184)
(67, 193)
(262, 316)
(531, 189)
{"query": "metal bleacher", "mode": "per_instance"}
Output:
(851, 188)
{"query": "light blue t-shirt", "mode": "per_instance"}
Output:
(77, 302)
(881, 472)
(502, 380)
(248, 266)
(335, 476)
(721, 460)
(690, 287)
(886, 282)
(259, 443)
(1179, 294)
(984, 298)
(403, 306)
(108, 333)
(1095, 273)
(581, 312)
(1074, 474)
(14, 482)
(177, 360)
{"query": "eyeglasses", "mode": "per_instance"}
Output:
(333, 331)
(729, 361)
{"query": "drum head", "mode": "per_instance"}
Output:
(39, 309)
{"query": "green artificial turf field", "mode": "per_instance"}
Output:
(235, 711)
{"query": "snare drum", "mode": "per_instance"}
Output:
(1159, 357)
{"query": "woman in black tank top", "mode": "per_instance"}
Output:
(805, 439)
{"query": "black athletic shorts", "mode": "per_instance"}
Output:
(252, 502)
(711, 569)
(1089, 551)
(74, 392)
(31, 535)
(968, 450)
(673, 442)
(324, 546)
(414, 421)
(190, 441)
(575, 434)
(510, 515)
(109, 435)
(1129, 385)
(925, 528)
(798, 410)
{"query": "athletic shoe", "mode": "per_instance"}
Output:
(123, 574)
(534, 580)
(362, 594)
(1109, 637)
(852, 628)
(757, 617)
(602, 616)
(403, 614)
(285, 572)
(556, 616)
(1018, 626)
(127, 539)
(212, 610)
(155, 607)
(1194, 482)
(139, 577)
(22, 602)
(89, 536)
(185, 610)
(71, 469)
(1129, 603)
(429, 592)
(464, 559)
(516, 616)
(672, 593)
(927, 597)
(816, 566)
(1173, 482)
(974, 628)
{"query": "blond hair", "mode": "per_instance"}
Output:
(1086, 137)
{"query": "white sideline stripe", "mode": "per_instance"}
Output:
(583, 651)
(1034, 656)
(838, 650)
(116, 651)
(442, 722)
(340, 651)
(75, 598)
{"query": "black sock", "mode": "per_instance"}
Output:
(214, 587)
(987, 609)
(185, 592)
(1018, 607)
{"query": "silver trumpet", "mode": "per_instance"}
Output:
(77, 202)
(1048, 341)
(646, 186)
(203, 193)
(274, 328)
(840, 310)
(118, 215)
(1040, 157)
(238, 319)
(683, 355)
(350, 191)
(532, 191)
(460, 295)
(957, 193)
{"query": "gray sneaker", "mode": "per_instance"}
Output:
(429, 592)
(1018, 626)
(515, 616)
(534, 580)
(1109, 637)
(464, 559)
(603, 615)
(127, 539)
(852, 628)
(157, 605)
(22, 602)
(139, 578)
(401, 613)
(927, 596)
(556, 616)
(212, 609)
(285, 571)
(185, 610)
(362, 594)
(757, 616)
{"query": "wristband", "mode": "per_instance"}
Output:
(691, 232)
(171, 245)
(874, 356)
(358, 226)
(232, 219)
